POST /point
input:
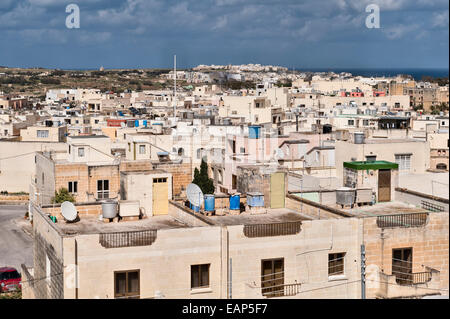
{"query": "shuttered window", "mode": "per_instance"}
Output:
(403, 161)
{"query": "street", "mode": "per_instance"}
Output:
(16, 246)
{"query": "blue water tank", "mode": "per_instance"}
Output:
(195, 208)
(255, 199)
(120, 113)
(209, 203)
(235, 201)
(254, 131)
(145, 123)
(136, 123)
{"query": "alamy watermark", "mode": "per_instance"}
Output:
(373, 19)
(73, 19)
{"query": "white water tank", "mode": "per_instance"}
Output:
(109, 209)
(359, 137)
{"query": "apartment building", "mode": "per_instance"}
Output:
(305, 250)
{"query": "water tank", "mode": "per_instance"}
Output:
(235, 201)
(194, 208)
(359, 137)
(345, 196)
(109, 209)
(209, 203)
(145, 123)
(226, 122)
(157, 128)
(254, 131)
(136, 123)
(255, 199)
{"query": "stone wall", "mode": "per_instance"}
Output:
(429, 245)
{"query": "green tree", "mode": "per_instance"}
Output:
(63, 195)
(201, 179)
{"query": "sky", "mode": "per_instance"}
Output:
(290, 33)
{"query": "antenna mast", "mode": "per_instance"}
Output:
(175, 86)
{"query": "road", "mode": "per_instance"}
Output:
(16, 246)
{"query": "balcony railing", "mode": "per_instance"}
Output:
(413, 278)
(275, 229)
(402, 220)
(432, 207)
(285, 290)
(127, 239)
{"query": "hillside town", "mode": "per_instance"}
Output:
(223, 182)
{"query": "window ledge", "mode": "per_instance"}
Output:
(195, 291)
(337, 277)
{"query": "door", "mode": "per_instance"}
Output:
(272, 277)
(277, 190)
(384, 185)
(402, 265)
(160, 196)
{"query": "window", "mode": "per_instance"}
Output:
(402, 265)
(336, 264)
(42, 133)
(141, 149)
(81, 152)
(102, 189)
(160, 180)
(272, 277)
(126, 284)
(200, 276)
(73, 187)
(371, 158)
(366, 122)
(242, 149)
(351, 122)
(403, 161)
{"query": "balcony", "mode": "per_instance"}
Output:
(411, 285)
(285, 290)
(402, 220)
(270, 230)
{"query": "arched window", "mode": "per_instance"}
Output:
(180, 151)
(441, 166)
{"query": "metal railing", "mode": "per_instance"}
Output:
(284, 290)
(432, 207)
(402, 220)
(275, 229)
(127, 239)
(413, 278)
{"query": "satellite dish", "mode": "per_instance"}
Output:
(194, 195)
(279, 154)
(68, 211)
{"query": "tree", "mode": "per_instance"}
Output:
(201, 179)
(63, 195)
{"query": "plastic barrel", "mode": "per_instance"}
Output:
(254, 131)
(235, 201)
(209, 203)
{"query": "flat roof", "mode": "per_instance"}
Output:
(385, 208)
(271, 215)
(88, 136)
(363, 165)
(91, 225)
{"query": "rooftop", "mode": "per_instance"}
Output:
(92, 225)
(363, 165)
(386, 208)
(272, 215)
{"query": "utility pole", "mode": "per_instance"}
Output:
(363, 272)
(229, 278)
(175, 86)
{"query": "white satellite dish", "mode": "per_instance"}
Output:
(68, 211)
(279, 154)
(195, 195)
